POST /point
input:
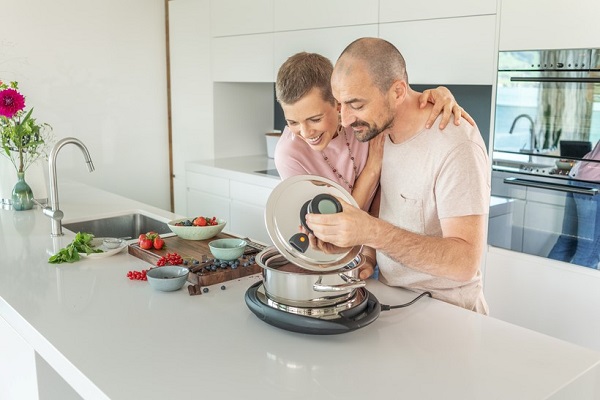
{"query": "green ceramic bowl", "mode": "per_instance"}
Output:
(227, 249)
(167, 278)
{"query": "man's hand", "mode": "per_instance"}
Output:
(346, 229)
(443, 103)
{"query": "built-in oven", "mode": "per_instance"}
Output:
(544, 172)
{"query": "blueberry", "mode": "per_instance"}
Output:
(205, 290)
(213, 268)
(223, 287)
(185, 262)
(224, 265)
(196, 262)
(234, 266)
(245, 264)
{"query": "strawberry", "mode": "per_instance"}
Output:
(142, 237)
(146, 243)
(151, 235)
(158, 243)
(200, 221)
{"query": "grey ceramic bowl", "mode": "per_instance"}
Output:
(227, 249)
(167, 278)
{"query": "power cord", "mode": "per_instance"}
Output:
(385, 307)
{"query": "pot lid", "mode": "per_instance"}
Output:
(286, 207)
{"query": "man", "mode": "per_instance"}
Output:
(435, 186)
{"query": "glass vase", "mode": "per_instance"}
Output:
(22, 196)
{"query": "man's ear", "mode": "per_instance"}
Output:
(398, 91)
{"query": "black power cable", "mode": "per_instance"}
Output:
(385, 307)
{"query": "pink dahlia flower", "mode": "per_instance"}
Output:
(11, 102)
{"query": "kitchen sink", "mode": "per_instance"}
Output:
(127, 226)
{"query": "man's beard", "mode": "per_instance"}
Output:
(371, 131)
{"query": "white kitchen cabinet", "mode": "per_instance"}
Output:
(294, 15)
(18, 377)
(191, 90)
(246, 58)
(394, 10)
(248, 204)
(207, 195)
(234, 17)
(227, 192)
(327, 42)
(446, 51)
(544, 295)
(538, 24)
(541, 227)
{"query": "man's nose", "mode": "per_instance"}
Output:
(346, 114)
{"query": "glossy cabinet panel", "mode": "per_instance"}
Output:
(394, 10)
(430, 59)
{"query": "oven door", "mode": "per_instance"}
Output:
(547, 217)
(546, 100)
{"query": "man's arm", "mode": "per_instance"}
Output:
(456, 255)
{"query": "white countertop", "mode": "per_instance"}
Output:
(110, 337)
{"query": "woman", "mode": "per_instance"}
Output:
(315, 142)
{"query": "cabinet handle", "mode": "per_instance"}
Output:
(552, 186)
(554, 79)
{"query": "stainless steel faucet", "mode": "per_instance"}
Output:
(532, 138)
(53, 211)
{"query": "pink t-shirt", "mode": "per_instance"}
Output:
(293, 156)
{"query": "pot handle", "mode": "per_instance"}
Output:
(351, 283)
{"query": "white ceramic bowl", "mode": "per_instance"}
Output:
(196, 232)
(167, 278)
(227, 249)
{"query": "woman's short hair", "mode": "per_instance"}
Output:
(302, 72)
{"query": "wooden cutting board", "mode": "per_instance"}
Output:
(191, 250)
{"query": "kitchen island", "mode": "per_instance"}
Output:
(112, 338)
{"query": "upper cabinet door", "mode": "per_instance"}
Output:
(244, 58)
(394, 10)
(446, 51)
(293, 14)
(235, 17)
(327, 42)
(533, 24)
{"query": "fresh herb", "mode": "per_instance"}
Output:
(81, 244)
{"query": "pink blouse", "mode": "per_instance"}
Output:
(293, 156)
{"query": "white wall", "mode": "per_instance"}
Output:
(96, 70)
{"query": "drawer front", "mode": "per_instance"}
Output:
(207, 204)
(208, 183)
(252, 194)
(249, 220)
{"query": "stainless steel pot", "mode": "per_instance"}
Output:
(289, 284)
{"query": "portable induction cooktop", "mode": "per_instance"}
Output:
(357, 312)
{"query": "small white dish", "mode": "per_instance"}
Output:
(98, 243)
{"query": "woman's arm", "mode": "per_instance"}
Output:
(443, 103)
(368, 180)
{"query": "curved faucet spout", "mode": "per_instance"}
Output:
(53, 211)
(532, 138)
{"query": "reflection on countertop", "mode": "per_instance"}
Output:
(271, 172)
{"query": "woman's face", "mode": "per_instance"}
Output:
(312, 119)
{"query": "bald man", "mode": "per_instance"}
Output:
(435, 187)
